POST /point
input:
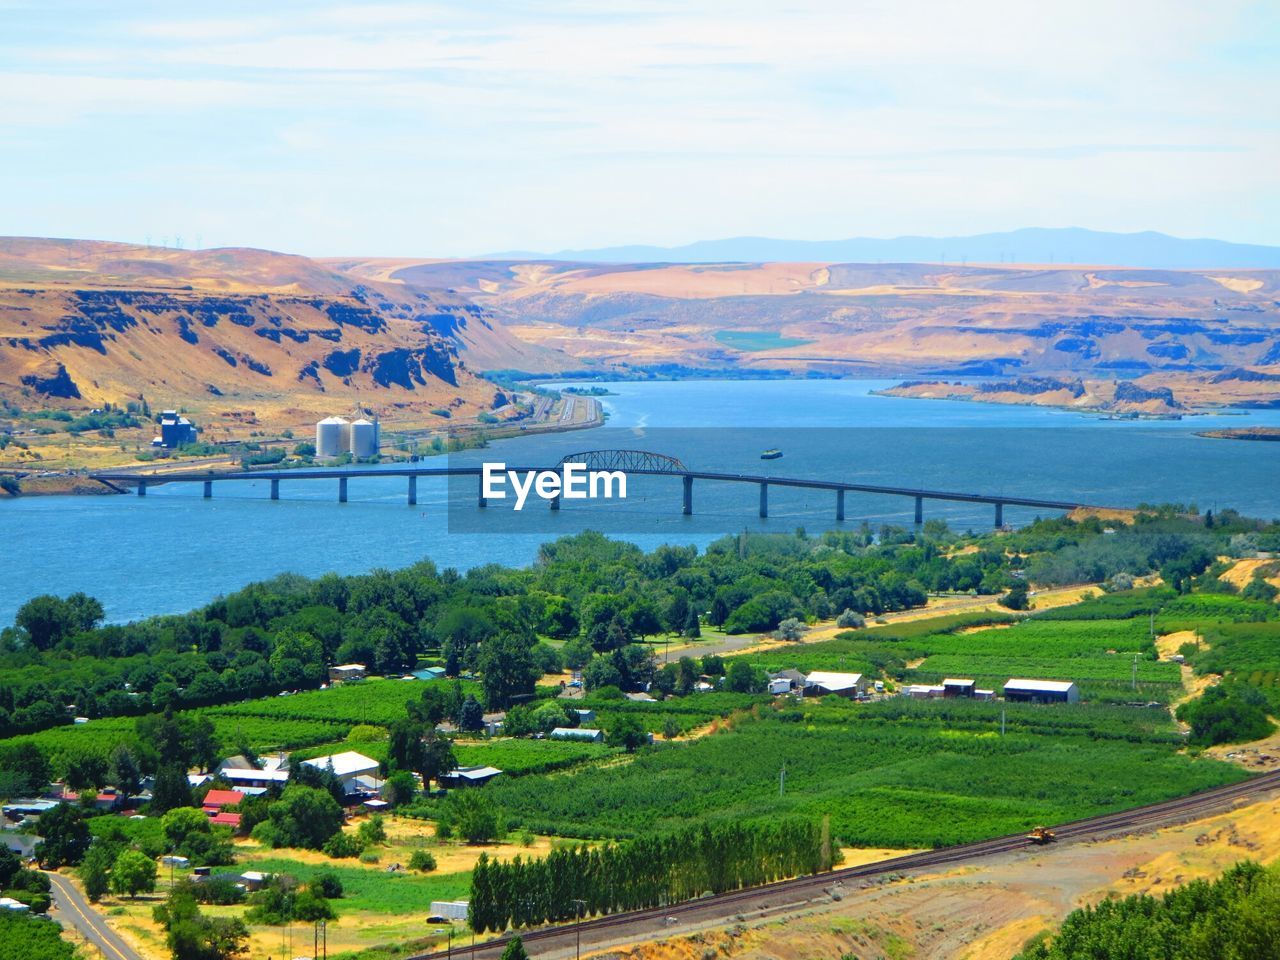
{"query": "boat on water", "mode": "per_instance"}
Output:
(773, 454)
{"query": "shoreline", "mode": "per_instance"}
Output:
(78, 482)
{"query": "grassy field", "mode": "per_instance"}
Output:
(755, 340)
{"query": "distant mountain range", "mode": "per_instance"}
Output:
(1031, 245)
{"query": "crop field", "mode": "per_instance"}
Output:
(892, 774)
(379, 702)
(753, 340)
(687, 713)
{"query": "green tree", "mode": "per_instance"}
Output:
(180, 822)
(744, 678)
(1016, 598)
(515, 950)
(302, 817)
(172, 789)
(65, 837)
(627, 733)
(471, 716)
(508, 670)
(96, 869)
(473, 816)
(133, 873)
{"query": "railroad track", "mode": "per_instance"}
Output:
(651, 922)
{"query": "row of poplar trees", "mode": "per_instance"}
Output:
(646, 872)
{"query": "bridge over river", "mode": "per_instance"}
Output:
(631, 462)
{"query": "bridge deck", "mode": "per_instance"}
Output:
(349, 473)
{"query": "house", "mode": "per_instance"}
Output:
(780, 685)
(215, 801)
(224, 818)
(346, 766)
(12, 905)
(1041, 691)
(958, 688)
(469, 776)
(254, 879)
(820, 683)
(23, 844)
(577, 733)
(252, 782)
(346, 671)
(584, 716)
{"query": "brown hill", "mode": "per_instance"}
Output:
(1167, 327)
(85, 322)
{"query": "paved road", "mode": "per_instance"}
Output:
(75, 909)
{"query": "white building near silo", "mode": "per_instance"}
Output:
(333, 437)
(364, 438)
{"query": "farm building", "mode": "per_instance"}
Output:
(1041, 691)
(821, 683)
(469, 776)
(786, 681)
(428, 673)
(252, 782)
(958, 688)
(584, 716)
(449, 909)
(215, 801)
(924, 691)
(347, 767)
(577, 733)
(984, 694)
(346, 671)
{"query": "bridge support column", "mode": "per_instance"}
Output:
(839, 506)
(413, 491)
(919, 510)
(275, 489)
(999, 515)
(142, 488)
(764, 500)
(688, 496)
(208, 489)
(481, 500)
(342, 489)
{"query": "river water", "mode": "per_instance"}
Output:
(173, 550)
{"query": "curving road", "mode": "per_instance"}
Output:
(74, 908)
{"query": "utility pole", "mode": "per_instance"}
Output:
(782, 779)
(1002, 721)
(1135, 671)
(581, 905)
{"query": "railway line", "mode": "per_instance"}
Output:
(758, 902)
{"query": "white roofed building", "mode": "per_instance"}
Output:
(820, 683)
(1041, 691)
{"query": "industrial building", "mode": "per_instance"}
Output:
(1041, 691)
(337, 435)
(175, 431)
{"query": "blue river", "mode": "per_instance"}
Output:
(173, 550)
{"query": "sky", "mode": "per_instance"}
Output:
(453, 129)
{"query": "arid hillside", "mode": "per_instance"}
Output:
(226, 332)
(1213, 336)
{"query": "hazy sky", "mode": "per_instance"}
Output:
(459, 128)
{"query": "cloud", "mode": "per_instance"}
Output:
(514, 124)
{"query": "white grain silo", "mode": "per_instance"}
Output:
(333, 437)
(364, 439)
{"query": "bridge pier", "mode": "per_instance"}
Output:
(688, 495)
(342, 489)
(999, 515)
(275, 489)
(142, 488)
(208, 489)
(764, 500)
(839, 506)
(481, 500)
(413, 491)
(919, 510)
